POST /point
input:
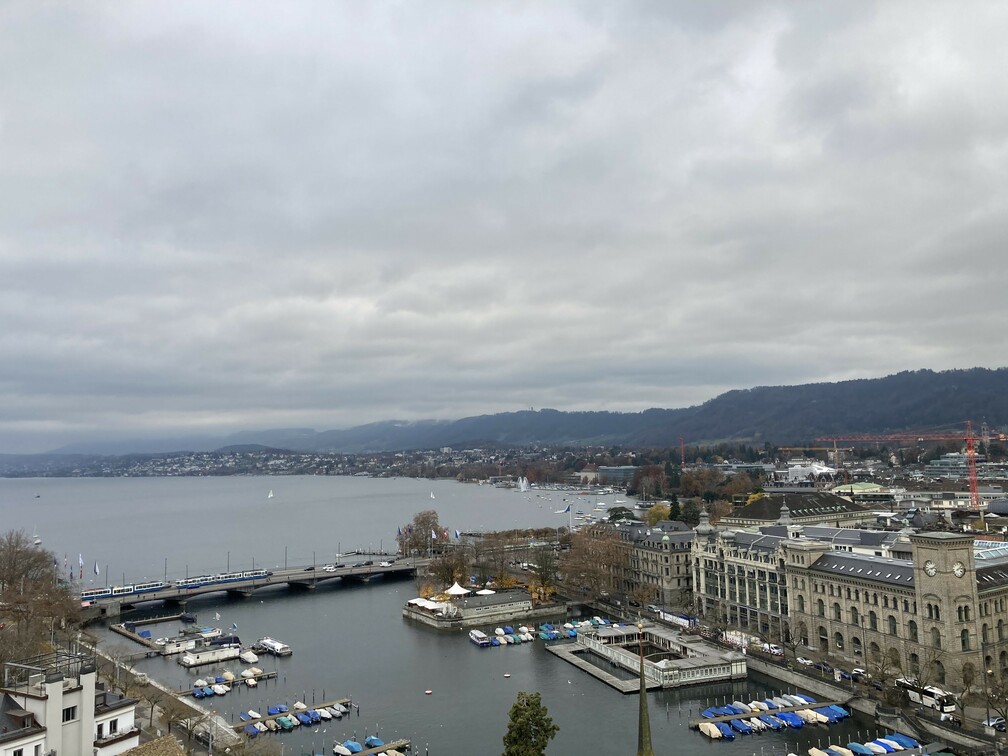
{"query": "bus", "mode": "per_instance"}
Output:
(928, 695)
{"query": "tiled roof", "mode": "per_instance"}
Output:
(800, 504)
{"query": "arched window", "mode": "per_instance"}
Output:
(801, 603)
(914, 664)
(968, 613)
(935, 637)
(986, 633)
(803, 633)
(856, 646)
(988, 661)
(874, 652)
(959, 613)
(837, 614)
(854, 619)
(821, 608)
(964, 640)
(823, 640)
(1000, 629)
(875, 599)
(873, 620)
(838, 639)
(912, 630)
(930, 611)
(892, 625)
(937, 613)
(1003, 660)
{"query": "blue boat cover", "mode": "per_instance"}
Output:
(771, 721)
(726, 731)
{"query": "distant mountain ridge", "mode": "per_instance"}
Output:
(910, 400)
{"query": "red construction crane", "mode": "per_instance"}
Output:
(968, 437)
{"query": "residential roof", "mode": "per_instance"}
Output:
(163, 746)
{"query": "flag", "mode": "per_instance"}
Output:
(80, 564)
(433, 535)
(234, 626)
(566, 511)
(399, 531)
(217, 616)
(64, 561)
(458, 533)
(96, 570)
(55, 563)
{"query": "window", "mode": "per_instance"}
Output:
(838, 639)
(892, 625)
(964, 640)
(101, 731)
(912, 630)
(18, 752)
(935, 637)
(873, 620)
(821, 609)
(113, 727)
(837, 614)
(69, 713)
(801, 603)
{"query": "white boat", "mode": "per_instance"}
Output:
(294, 720)
(341, 750)
(479, 637)
(841, 750)
(251, 682)
(246, 673)
(875, 748)
(498, 631)
(254, 714)
(891, 743)
(324, 713)
(260, 726)
(219, 690)
(228, 675)
(299, 706)
(248, 656)
(274, 647)
(336, 713)
(270, 494)
(271, 725)
(708, 729)
(340, 708)
(36, 540)
(200, 683)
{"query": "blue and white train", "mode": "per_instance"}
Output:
(115, 591)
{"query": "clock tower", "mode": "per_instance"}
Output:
(947, 599)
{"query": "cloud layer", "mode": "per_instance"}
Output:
(242, 215)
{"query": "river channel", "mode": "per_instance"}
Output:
(351, 641)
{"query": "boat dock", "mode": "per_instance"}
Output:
(570, 652)
(396, 745)
(235, 683)
(133, 636)
(694, 723)
(325, 705)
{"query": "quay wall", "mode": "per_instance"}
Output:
(485, 619)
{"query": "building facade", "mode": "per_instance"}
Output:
(53, 706)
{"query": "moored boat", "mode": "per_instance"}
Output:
(479, 638)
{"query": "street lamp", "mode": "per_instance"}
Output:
(987, 677)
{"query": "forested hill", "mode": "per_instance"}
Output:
(779, 414)
(782, 415)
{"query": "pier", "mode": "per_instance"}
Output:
(694, 723)
(347, 702)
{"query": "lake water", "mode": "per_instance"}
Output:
(351, 640)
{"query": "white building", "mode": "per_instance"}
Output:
(52, 705)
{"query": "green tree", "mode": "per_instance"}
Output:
(530, 728)
(620, 513)
(691, 513)
(657, 513)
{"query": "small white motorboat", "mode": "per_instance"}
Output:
(299, 706)
(324, 713)
(219, 690)
(248, 656)
(336, 713)
(254, 714)
(247, 673)
(341, 750)
(251, 682)
(228, 675)
(200, 683)
(708, 729)
(260, 726)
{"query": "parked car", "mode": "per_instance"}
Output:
(822, 667)
(309, 569)
(771, 648)
(804, 662)
(860, 675)
(652, 608)
(634, 602)
(844, 674)
(385, 564)
(998, 723)
(330, 568)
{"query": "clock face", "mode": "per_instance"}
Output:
(959, 569)
(930, 568)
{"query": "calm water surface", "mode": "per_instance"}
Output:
(351, 640)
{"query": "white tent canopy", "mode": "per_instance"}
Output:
(457, 590)
(485, 592)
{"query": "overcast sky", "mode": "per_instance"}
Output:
(222, 216)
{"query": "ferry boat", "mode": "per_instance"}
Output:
(274, 647)
(479, 638)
